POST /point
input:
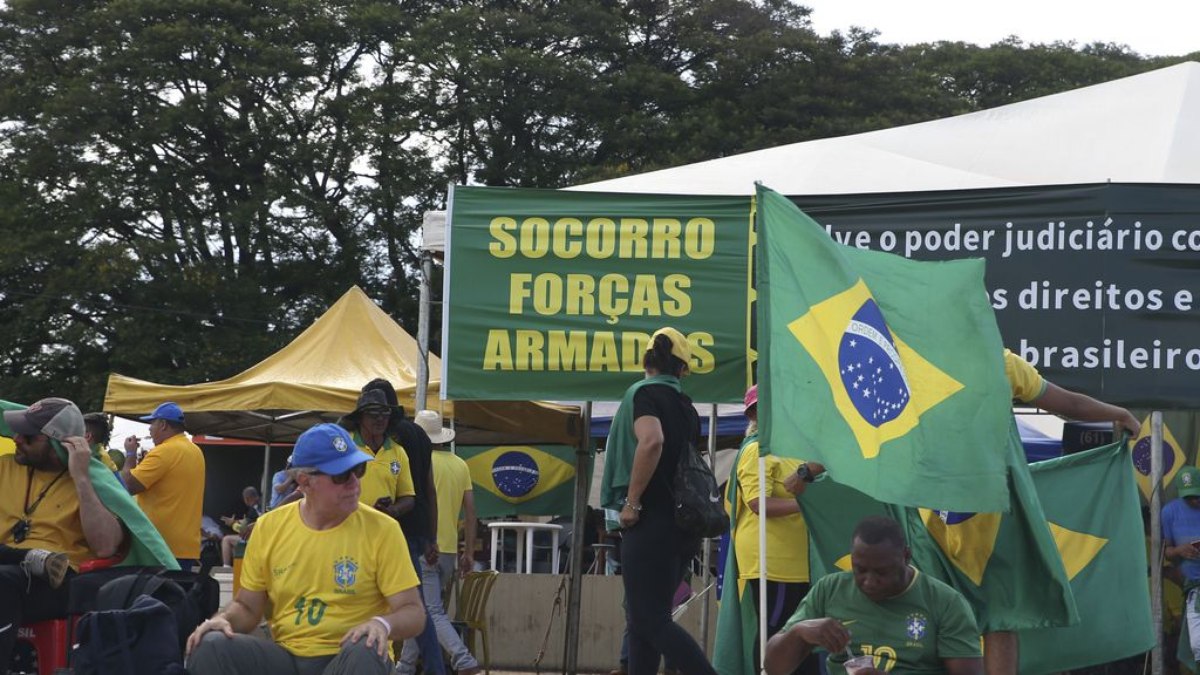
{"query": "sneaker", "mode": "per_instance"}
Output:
(46, 564)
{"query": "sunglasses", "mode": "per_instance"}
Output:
(377, 413)
(343, 477)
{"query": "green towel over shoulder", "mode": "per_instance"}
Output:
(146, 547)
(621, 445)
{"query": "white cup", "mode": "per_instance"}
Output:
(859, 663)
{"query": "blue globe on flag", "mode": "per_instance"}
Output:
(1141, 457)
(516, 474)
(871, 369)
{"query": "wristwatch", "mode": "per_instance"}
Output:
(804, 474)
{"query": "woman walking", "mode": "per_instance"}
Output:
(653, 426)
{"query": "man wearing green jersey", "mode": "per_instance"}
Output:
(908, 622)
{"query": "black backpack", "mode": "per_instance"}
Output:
(139, 640)
(191, 597)
(698, 507)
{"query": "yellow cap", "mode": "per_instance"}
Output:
(679, 344)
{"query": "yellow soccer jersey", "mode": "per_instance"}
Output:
(452, 479)
(322, 583)
(787, 536)
(1026, 383)
(388, 475)
(173, 475)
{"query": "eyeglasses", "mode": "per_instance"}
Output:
(384, 412)
(343, 477)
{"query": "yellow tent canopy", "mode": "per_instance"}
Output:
(317, 378)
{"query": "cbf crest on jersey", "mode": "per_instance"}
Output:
(345, 573)
(915, 626)
(897, 365)
(395, 467)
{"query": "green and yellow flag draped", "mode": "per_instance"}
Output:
(896, 365)
(146, 546)
(1094, 511)
(527, 480)
(1007, 565)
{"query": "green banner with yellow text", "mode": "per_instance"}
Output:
(554, 295)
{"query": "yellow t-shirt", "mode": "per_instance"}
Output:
(388, 474)
(55, 520)
(322, 583)
(101, 453)
(787, 536)
(1026, 383)
(452, 479)
(173, 475)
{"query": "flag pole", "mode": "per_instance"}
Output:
(1156, 477)
(762, 561)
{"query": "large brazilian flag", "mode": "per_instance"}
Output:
(527, 480)
(888, 371)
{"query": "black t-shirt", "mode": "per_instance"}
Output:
(416, 444)
(680, 424)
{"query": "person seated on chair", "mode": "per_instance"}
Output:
(339, 585)
(52, 517)
(240, 526)
(912, 622)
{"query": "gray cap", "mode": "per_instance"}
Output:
(58, 418)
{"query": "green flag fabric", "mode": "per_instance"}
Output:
(1091, 502)
(897, 364)
(1005, 564)
(621, 444)
(737, 616)
(147, 547)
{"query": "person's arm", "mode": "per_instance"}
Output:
(1185, 550)
(1077, 406)
(102, 529)
(467, 559)
(241, 616)
(405, 618)
(131, 461)
(963, 666)
(788, 648)
(648, 431)
(796, 485)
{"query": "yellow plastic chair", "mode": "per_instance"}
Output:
(471, 617)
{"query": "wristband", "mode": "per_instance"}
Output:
(385, 623)
(637, 508)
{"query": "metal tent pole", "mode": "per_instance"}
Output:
(1156, 476)
(706, 558)
(423, 333)
(578, 527)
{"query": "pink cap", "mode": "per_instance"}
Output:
(751, 397)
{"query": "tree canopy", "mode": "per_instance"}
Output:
(186, 184)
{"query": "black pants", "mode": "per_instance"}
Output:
(782, 600)
(653, 555)
(24, 600)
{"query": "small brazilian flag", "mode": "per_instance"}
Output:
(527, 480)
(888, 371)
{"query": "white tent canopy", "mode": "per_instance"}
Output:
(1140, 129)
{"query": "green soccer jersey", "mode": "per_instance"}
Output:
(910, 633)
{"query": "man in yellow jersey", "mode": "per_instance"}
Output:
(388, 482)
(169, 482)
(51, 516)
(454, 494)
(336, 576)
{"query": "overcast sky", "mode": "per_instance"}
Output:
(1148, 27)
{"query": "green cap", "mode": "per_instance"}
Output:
(1188, 481)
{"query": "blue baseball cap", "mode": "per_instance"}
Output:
(168, 411)
(327, 448)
